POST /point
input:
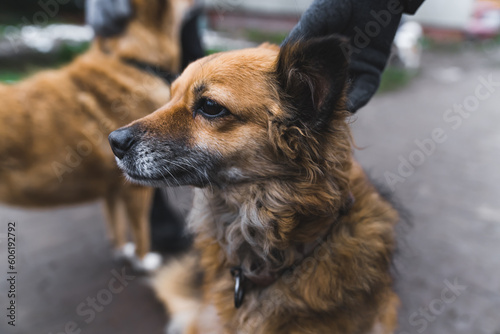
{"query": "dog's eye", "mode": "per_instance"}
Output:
(211, 109)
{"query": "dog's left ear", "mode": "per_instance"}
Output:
(312, 74)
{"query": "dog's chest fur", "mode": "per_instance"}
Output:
(340, 287)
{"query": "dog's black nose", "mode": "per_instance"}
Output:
(121, 141)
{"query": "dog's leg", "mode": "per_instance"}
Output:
(387, 322)
(137, 201)
(179, 286)
(116, 224)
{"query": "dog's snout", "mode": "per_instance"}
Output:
(121, 141)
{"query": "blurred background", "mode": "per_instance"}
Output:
(448, 267)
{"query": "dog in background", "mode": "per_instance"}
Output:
(53, 126)
(290, 236)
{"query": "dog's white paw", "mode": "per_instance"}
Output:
(126, 252)
(149, 263)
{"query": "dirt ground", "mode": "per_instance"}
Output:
(434, 144)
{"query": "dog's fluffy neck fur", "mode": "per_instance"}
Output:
(261, 225)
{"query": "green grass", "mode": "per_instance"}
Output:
(11, 76)
(394, 78)
(209, 52)
(259, 36)
(68, 52)
(65, 55)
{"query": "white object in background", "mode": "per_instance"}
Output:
(45, 39)
(451, 14)
(407, 41)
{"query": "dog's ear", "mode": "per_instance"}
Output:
(312, 75)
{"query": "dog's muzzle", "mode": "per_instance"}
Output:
(155, 160)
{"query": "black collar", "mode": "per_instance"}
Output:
(167, 76)
(306, 250)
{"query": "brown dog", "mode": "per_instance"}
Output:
(53, 147)
(290, 235)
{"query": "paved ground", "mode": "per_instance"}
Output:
(454, 195)
(449, 266)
